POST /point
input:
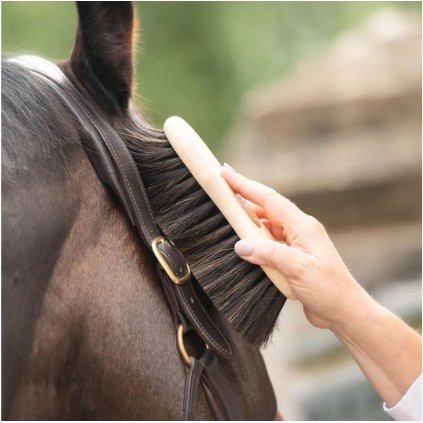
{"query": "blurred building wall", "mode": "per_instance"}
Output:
(341, 137)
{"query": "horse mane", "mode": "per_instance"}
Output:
(36, 127)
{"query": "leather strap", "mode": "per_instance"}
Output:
(219, 393)
(192, 382)
(218, 389)
(186, 304)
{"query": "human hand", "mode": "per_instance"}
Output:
(307, 258)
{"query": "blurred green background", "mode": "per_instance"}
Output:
(196, 59)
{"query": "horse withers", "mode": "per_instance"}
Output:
(86, 329)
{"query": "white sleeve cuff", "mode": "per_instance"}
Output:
(410, 405)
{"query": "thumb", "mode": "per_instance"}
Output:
(282, 257)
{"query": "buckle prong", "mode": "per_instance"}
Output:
(161, 259)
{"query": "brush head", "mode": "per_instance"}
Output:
(205, 168)
(241, 291)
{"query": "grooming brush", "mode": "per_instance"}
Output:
(205, 168)
(196, 209)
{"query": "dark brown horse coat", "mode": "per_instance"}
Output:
(86, 331)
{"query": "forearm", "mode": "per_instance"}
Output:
(387, 350)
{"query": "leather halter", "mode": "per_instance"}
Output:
(116, 169)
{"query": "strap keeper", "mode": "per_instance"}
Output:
(179, 280)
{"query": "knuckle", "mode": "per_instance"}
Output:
(236, 181)
(273, 255)
(271, 197)
(242, 182)
(302, 268)
(313, 225)
(270, 253)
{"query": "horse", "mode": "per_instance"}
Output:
(86, 329)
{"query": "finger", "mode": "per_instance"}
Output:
(278, 209)
(257, 210)
(277, 231)
(287, 260)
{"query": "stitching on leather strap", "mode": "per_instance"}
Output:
(205, 312)
(229, 350)
(121, 167)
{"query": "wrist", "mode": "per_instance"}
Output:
(359, 309)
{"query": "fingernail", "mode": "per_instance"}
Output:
(229, 168)
(244, 248)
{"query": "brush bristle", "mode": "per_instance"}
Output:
(186, 215)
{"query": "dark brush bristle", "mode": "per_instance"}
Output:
(186, 215)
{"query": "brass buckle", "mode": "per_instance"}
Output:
(159, 256)
(181, 345)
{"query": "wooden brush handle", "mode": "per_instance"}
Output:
(205, 168)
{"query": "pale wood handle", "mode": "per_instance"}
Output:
(205, 168)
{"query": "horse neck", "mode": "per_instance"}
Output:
(95, 246)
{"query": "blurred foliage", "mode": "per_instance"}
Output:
(196, 59)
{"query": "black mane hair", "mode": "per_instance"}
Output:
(36, 128)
